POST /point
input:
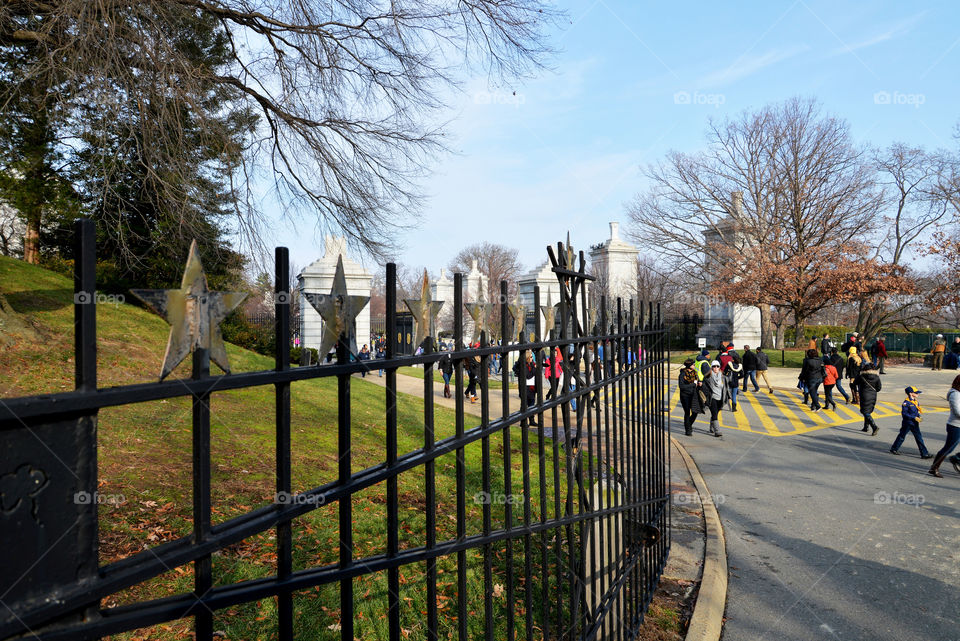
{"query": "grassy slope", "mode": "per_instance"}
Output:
(144, 454)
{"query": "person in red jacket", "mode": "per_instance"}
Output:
(881, 354)
(829, 382)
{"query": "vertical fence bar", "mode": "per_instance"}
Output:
(485, 475)
(393, 527)
(85, 380)
(542, 465)
(430, 483)
(84, 307)
(461, 470)
(202, 567)
(525, 449)
(282, 397)
(346, 503)
(618, 453)
(507, 459)
(603, 447)
(633, 394)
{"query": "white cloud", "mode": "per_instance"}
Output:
(749, 64)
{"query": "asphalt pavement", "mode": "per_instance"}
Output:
(829, 536)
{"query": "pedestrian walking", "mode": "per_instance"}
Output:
(733, 373)
(840, 364)
(830, 378)
(749, 368)
(526, 373)
(854, 366)
(717, 392)
(473, 372)
(380, 354)
(763, 364)
(688, 383)
(726, 356)
(939, 348)
(912, 414)
(953, 432)
(811, 373)
(868, 385)
(702, 364)
(364, 355)
(553, 370)
(853, 341)
(881, 348)
(446, 371)
(826, 346)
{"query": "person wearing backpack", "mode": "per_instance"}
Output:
(733, 372)
(811, 374)
(688, 383)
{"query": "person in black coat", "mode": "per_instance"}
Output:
(812, 375)
(687, 383)
(868, 385)
(840, 363)
(750, 363)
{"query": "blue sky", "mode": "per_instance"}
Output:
(633, 80)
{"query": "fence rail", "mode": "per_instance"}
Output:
(575, 520)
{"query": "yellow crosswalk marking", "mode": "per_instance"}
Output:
(852, 414)
(797, 425)
(798, 399)
(761, 413)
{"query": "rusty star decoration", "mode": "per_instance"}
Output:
(424, 312)
(519, 313)
(339, 311)
(194, 313)
(549, 315)
(478, 312)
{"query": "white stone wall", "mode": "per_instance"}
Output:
(318, 278)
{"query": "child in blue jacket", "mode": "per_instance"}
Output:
(912, 415)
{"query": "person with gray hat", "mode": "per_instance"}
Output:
(717, 392)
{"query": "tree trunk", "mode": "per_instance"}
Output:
(766, 334)
(31, 239)
(799, 340)
(781, 335)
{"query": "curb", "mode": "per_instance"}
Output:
(706, 622)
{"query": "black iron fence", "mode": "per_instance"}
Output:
(572, 497)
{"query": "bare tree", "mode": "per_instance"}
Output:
(913, 181)
(346, 93)
(800, 238)
(497, 263)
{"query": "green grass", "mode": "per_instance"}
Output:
(145, 455)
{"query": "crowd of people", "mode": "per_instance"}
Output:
(708, 386)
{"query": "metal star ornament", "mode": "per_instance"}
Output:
(519, 314)
(339, 311)
(424, 312)
(478, 312)
(194, 313)
(549, 315)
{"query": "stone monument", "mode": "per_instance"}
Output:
(723, 320)
(317, 278)
(614, 264)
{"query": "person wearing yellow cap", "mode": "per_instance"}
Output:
(912, 414)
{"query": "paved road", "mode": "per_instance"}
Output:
(824, 537)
